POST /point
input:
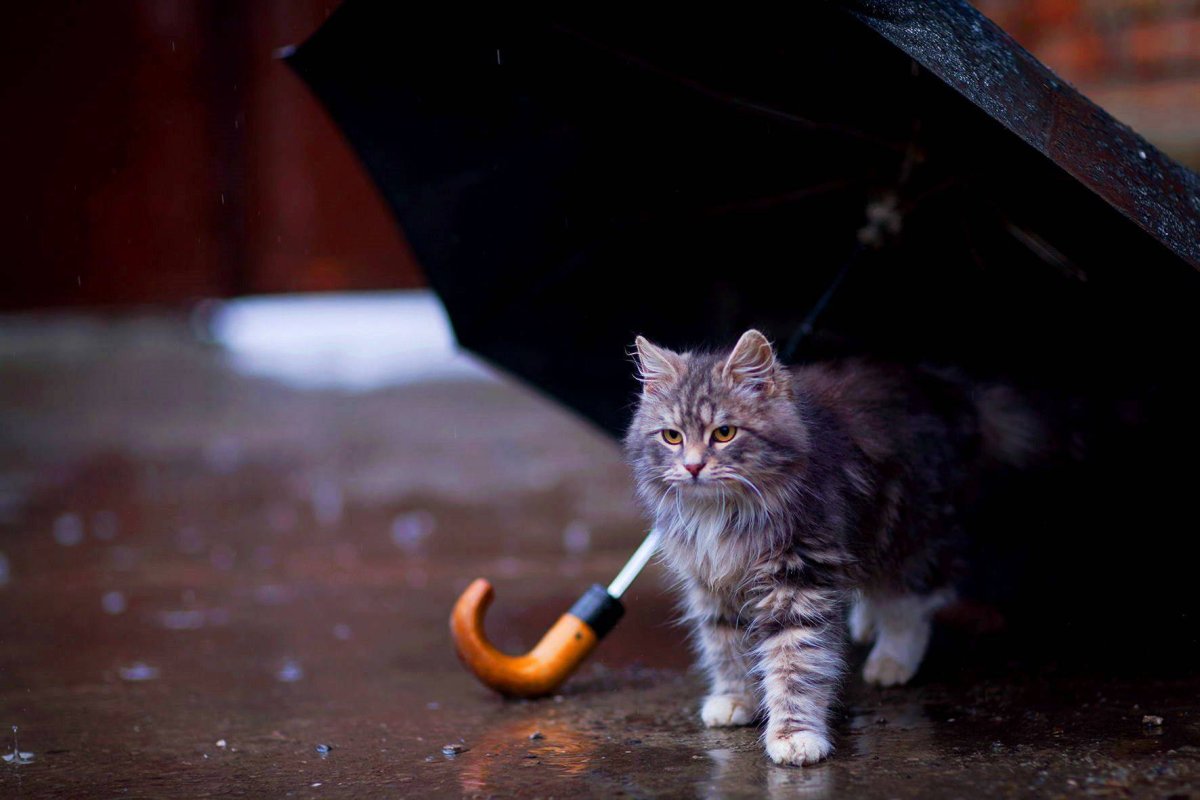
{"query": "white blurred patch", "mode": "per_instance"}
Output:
(356, 342)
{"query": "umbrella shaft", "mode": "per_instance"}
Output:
(634, 565)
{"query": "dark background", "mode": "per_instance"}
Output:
(159, 152)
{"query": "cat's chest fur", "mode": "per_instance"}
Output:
(713, 541)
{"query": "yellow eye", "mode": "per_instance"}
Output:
(724, 433)
(672, 437)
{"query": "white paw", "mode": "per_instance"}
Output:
(727, 711)
(862, 622)
(798, 749)
(884, 670)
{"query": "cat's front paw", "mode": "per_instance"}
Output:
(727, 711)
(882, 670)
(798, 749)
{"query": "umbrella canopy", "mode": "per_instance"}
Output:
(570, 181)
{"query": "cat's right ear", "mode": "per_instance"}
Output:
(657, 366)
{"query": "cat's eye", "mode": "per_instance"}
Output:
(724, 433)
(672, 436)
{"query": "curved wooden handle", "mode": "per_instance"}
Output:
(538, 672)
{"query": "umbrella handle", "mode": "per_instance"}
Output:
(551, 661)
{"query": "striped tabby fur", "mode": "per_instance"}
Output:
(839, 488)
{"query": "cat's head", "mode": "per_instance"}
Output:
(713, 424)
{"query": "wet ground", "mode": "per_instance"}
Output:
(215, 585)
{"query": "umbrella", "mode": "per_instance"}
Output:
(893, 177)
(569, 183)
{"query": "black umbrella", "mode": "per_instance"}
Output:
(567, 183)
(895, 177)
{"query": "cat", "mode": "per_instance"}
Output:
(784, 496)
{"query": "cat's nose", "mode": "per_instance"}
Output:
(694, 469)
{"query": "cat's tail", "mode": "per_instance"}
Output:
(1014, 432)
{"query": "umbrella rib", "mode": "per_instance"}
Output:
(731, 99)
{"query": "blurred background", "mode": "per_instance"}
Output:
(160, 153)
(244, 470)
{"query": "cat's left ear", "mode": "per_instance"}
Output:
(657, 366)
(752, 363)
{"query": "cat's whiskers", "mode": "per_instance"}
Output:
(749, 483)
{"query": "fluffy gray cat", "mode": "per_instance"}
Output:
(787, 495)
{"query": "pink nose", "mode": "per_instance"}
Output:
(694, 469)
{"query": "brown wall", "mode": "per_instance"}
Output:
(1139, 59)
(156, 151)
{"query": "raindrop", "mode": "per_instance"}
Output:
(409, 531)
(221, 743)
(17, 756)
(137, 672)
(1142, 154)
(68, 530)
(323, 750)
(113, 603)
(290, 672)
(342, 632)
(104, 525)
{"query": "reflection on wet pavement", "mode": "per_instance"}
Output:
(218, 585)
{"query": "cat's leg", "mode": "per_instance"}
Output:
(800, 658)
(904, 624)
(720, 639)
(862, 619)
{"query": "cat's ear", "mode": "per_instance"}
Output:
(752, 363)
(656, 365)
